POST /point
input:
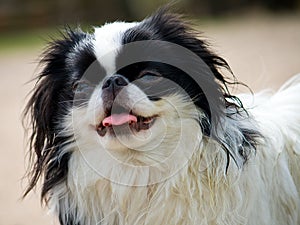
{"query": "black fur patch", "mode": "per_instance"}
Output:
(51, 99)
(169, 27)
(165, 26)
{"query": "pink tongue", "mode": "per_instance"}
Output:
(118, 119)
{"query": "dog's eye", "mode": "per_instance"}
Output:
(149, 76)
(81, 86)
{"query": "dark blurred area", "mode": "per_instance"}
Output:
(24, 14)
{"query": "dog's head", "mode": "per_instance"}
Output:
(139, 91)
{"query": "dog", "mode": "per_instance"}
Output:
(134, 124)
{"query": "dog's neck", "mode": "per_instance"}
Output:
(89, 198)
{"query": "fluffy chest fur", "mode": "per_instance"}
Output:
(199, 193)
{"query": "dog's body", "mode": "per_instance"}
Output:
(182, 158)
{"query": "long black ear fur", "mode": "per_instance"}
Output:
(49, 100)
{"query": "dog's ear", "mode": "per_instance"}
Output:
(208, 84)
(50, 98)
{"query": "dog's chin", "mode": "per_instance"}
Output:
(145, 134)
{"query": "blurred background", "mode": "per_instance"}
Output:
(260, 39)
(25, 14)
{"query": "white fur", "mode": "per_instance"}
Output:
(107, 41)
(264, 191)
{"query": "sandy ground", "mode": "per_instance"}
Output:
(263, 52)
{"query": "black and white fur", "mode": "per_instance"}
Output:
(245, 172)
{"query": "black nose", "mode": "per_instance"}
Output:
(115, 82)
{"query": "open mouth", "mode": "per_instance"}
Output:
(123, 121)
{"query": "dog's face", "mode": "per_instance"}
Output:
(131, 89)
(131, 100)
(141, 93)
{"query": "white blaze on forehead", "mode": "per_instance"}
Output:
(108, 39)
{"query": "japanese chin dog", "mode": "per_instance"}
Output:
(135, 124)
